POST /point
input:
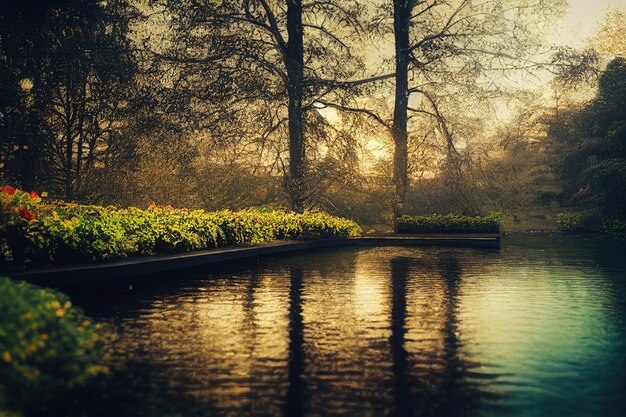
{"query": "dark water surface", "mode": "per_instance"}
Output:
(536, 328)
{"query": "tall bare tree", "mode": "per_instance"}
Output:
(282, 58)
(402, 13)
(445, 47)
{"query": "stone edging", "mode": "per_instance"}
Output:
(146, 265)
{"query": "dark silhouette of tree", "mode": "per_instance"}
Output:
(402, 13)
(589, 146)
(74, 69)
(442, 49)
(281, 61)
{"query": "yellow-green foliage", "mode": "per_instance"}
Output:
(69, 233)
(47, 346)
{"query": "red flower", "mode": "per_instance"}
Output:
(7, 189)
(34, 195)
(25, 214)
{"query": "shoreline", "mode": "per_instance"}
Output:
(145, 265)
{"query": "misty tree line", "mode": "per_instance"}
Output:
(235, 103)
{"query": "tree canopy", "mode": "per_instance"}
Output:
(590, 146)
(366, 109)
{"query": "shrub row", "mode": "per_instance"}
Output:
(589, 222)
(36, 233)
(450, 223)
(47, 346)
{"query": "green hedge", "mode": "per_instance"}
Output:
(589, 222)
(450, 223)
(47, 347)
(34, 233)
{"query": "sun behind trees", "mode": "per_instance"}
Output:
(369, 110)
(312, 207)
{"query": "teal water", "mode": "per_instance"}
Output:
(536, 328)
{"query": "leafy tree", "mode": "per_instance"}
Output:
(589, 146)
(610, 36)
(74, 71)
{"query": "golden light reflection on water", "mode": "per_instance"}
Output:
(370, 290)
(346, 347)
(379, 331)
(220, 339)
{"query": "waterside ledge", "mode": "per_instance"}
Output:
(145, 265)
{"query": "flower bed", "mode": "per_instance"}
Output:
(451, 223)
(47, 347)
(36, 233)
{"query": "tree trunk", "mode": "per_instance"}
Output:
(81, 137)
(69, 194)
(79, 164)
(25, 162)
(401, 17)
(294, 60)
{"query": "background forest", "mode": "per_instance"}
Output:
(364, 109)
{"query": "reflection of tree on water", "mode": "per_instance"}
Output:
(400, 366)
(450, 395)
(249, 327)
(319, 374)
(438, 387)
(294, 405)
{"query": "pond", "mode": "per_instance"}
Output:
(536, 328)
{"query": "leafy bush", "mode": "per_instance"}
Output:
(47, 346)
(68, 233)
(580, 222)
(590, 222)
(450, 223)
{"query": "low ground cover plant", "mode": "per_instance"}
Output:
(589, 222)
(33, 232)
(450, 223)
(47, 347)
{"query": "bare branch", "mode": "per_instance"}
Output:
(349, 84)
(370, 113)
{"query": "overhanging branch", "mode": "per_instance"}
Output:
(348, 109)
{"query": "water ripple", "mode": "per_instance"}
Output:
(534, 329)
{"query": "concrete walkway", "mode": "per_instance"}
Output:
(145, 265)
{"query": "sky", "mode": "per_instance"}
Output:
(582, 21)
(574, 29)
